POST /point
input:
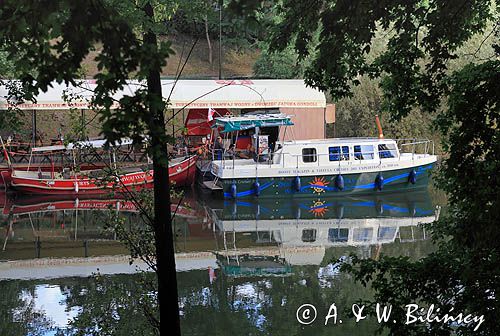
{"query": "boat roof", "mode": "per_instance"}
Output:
(338, 141)
(99, 143)
(184, 93)
(248, 121)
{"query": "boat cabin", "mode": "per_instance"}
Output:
(328, 151)
(265, 147)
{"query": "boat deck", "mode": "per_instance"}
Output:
(212, 185)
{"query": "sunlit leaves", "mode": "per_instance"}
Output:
(424, 36)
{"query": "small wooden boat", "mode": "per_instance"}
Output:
(6, 171)
(57, 157)
(95, 182)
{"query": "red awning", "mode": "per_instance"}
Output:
(197, 121)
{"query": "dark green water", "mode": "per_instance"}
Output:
(243, 268)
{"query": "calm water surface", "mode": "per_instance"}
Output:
(243, 267)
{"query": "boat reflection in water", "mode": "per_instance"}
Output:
(298, 232)
(56, 226)
(243, 268)
(265, 236)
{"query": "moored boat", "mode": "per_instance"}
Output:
(181, 172)
(57, 157)
(327, 167)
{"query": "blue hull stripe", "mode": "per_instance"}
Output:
(420, 170)
(249, 192)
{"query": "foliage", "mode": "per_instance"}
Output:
(423, 37)
(463, 270)
(6, 66)
(55, 37)
(419, 72)
(119, 305)
(282, 64)
(18, 314)
(238, 30)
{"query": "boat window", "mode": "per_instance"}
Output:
(363, 152)
(386, 233)
(337, 155)
(386, 151)
(309, 235)
(309, 155)
(337, 235)
(362, 234)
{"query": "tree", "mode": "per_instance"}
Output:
(277, 64)
(424, 37)
(55, 37)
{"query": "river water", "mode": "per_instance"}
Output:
(243, 268)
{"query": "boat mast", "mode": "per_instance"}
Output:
(380, 133)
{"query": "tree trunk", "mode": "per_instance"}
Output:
(210, 60)
(165, 260)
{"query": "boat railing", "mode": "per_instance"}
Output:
(416, 146)
(229, 161)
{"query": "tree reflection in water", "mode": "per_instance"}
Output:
(114, 305)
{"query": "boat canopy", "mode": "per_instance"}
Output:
(241, 123)
(82, 144)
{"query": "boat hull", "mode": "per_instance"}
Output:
(181, 174)
(6, 172)
(325, 185)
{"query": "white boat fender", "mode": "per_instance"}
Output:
(297, 211)
(379, 182)
(76, 186)
(412, 177)
(340, 211)
(234, 209)
(234, 190)
(256, 188)
(339, 182)
(296, 183)
(412, 209)
(257, 211)
(379, 208)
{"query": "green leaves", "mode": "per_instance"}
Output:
(424, 36)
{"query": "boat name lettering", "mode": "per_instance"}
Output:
(337, 169)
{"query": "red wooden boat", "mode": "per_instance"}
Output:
(181, 172)
(6, 171)
(55, 158)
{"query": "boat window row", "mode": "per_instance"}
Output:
(341, 235)
(360, 152)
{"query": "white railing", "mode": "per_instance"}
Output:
(416, 146)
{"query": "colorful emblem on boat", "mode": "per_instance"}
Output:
(318, 185)
(318, 208)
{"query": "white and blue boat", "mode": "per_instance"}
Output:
(322, 167)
